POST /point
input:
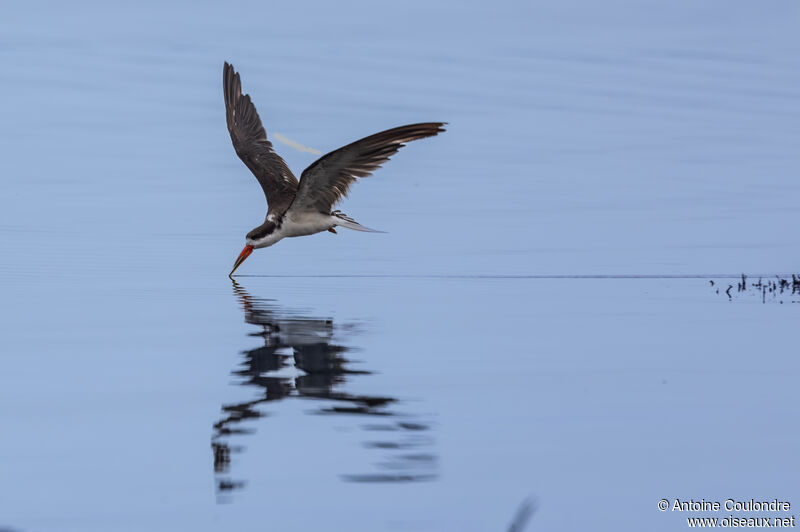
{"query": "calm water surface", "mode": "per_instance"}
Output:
(436, 376)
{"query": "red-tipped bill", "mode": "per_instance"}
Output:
(248, 249)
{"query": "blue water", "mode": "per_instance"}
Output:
(537, 322)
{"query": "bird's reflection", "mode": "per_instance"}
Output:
(310, 347)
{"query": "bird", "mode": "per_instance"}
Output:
(304, 207)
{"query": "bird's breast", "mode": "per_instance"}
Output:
(306, 224)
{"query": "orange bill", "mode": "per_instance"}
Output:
(248, 249)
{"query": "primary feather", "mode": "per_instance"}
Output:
(328, 179)
(251, 145)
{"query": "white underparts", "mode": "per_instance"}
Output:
(307, 223)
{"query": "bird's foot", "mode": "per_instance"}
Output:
(332, 230)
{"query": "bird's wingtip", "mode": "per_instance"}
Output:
(227, 69)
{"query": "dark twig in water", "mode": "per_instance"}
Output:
(775, 288)
(524, 513)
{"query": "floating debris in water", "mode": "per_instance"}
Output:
(523, 515)
(780, 289)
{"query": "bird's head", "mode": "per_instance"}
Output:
(262, 236)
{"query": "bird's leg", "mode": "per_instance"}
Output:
(332, 230)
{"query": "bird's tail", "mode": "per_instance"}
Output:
(342, 220)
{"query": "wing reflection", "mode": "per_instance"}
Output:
(308, 349)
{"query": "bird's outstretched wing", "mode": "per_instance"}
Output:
(327, 180)
(252, 147)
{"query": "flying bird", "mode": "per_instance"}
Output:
(304, 208)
